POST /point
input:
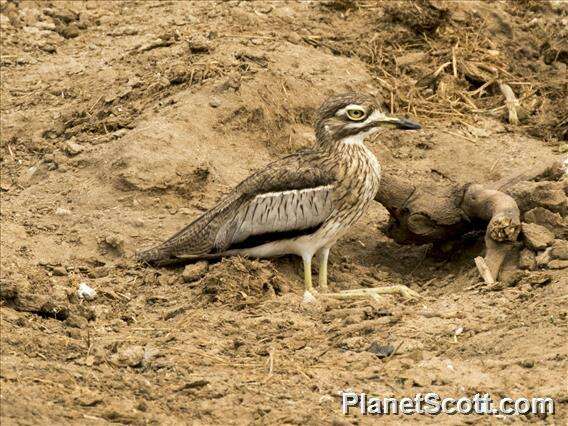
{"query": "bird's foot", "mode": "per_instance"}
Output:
(309, 297)
(374, 292)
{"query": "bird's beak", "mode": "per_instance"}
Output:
(398, 123)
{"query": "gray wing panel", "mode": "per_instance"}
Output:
(277, 212)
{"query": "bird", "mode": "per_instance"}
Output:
(300, 204)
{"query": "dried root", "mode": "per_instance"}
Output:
(421, 215)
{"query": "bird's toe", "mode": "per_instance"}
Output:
(308, 297)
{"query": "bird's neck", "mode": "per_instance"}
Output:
(351, 151)
(327, 143)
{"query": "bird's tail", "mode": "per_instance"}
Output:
(176, 249)
(195, 241)
(157, 255)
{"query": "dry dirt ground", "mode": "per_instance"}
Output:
(122, 121)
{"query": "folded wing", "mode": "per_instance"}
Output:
(277, 212)
(287, 197)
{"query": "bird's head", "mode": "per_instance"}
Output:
(350, 117)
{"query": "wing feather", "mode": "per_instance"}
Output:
(261, 215)
(289, 194)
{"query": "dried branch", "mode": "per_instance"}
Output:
(512, 103)
(430, 214)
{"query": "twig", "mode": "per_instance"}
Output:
(96, 102)
(493, 166)
(441, 68)
(395, 350)
(256, 36)
(153, 45)
(454, 62)
(270, 366)
(480, 89)
(459, 136)
(467, 100)
(271, 362)
(452, 113)
(512, 103)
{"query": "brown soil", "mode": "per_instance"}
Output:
(123, 121)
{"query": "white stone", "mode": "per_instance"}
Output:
(86, 292)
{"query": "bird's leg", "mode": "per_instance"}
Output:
(322, 278)
(373, 292)
(309, 288)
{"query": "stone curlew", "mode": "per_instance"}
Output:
(301, 204)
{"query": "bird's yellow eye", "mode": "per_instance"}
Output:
(356, 114)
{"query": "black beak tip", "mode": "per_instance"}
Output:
(406, 124)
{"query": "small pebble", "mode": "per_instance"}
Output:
(265, 9)
(119, 133)
(131, 356)
(149, 354)
(559, 249)
(32, 171)
(62, 212)
(544, 258)
(86, 292)
(49, 48)
(293, 38)
(527, 260)
(381, 351)
(59, 271)
(139, 223)
(214, 103)
(72, 148)
(114, 241)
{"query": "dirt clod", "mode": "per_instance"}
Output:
(73, 148)
(88, 398)
(552, 221)
(537, 237)
(59, 271)
(129, 356)
(382, 351)
(195, 271)
(198, 44)
(527, 259)
(559, 249)
(114, 242)
(558, 264)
